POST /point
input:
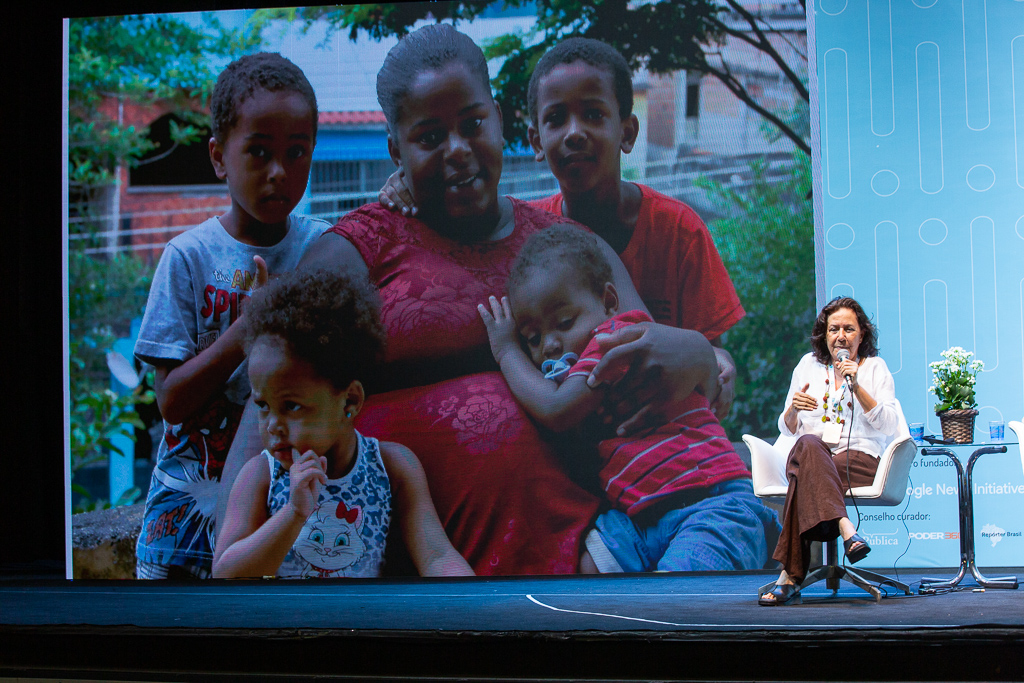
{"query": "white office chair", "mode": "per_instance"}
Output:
(768, 467)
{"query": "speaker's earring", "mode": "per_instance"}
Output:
(348, 414)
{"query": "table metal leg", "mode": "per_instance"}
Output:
(1009, 582)
(963, 493)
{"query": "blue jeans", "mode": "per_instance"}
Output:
(726, 529)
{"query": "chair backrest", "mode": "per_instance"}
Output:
(1018, 429)
(890, 484)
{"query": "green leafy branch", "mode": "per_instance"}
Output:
(142, 60)
(99, 417)
(766, 242)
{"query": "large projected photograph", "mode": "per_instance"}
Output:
(442, 289)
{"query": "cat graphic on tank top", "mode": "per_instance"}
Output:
(330, 540)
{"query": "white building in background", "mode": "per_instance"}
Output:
(696, 127)
(691, 113)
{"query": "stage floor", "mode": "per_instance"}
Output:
(554, 628)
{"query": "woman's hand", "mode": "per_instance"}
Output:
(307, 475)
(848, 368)
(501, 326)
(801, 401)
(396, 194)
(653, 368)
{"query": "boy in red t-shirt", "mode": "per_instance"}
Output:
(681, 496)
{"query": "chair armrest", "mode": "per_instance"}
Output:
(767, 467)
(890, 485)
(1018, 429)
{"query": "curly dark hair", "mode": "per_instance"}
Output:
(564, 246)
(328, 319)
(246, 75)
(868, 333)
(428, 48)
(596, 54)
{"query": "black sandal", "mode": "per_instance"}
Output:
(855, 553)
(784, 594)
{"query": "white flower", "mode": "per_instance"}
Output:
(954, 375)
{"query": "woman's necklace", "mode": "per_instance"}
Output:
(837, 404)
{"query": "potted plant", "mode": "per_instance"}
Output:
(953, 385)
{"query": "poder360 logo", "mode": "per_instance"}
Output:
(935, 535)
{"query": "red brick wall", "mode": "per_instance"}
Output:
(173, 211)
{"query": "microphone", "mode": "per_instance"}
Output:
(841, 355)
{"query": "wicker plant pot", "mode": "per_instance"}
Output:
(958, 425)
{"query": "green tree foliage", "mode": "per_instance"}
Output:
(767, 245)
(139, 59)
(103, 296)
(663, 36)
(98, 417)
